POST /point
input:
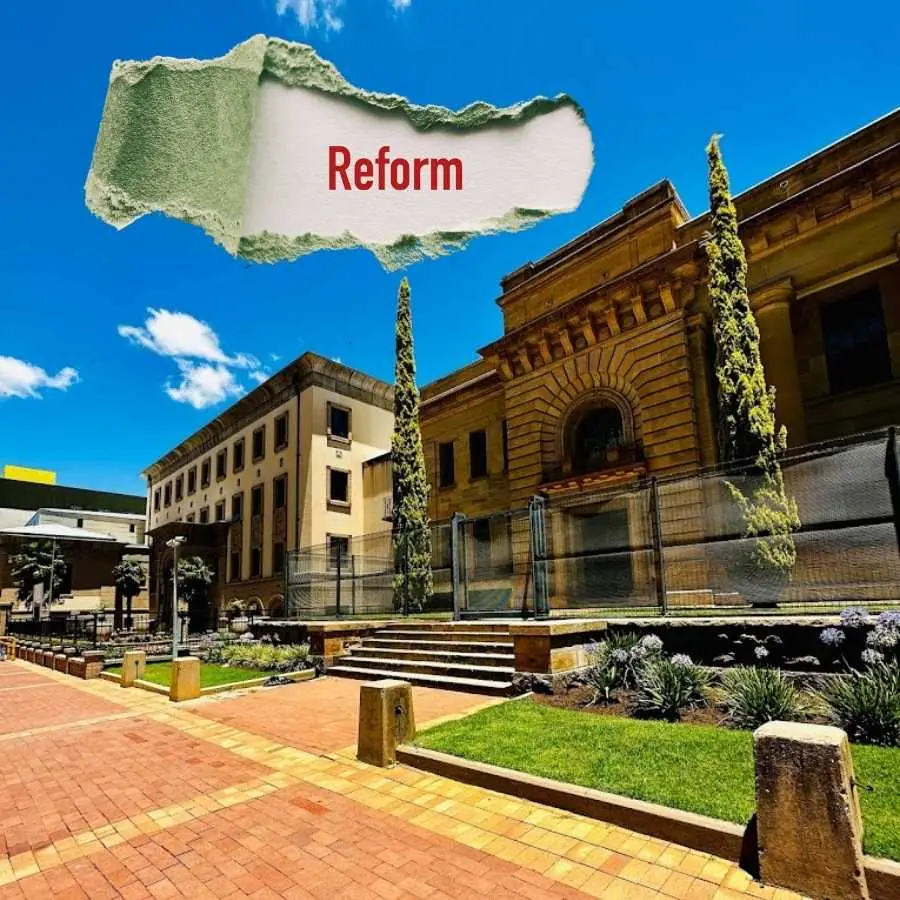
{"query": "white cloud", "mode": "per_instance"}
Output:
(204, 385)
(21, 379)
(181, 335)
(207, 371)
(314, 13)
(324, 13)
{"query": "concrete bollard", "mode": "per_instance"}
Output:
(386, 719)
(185, 683)
(807, 811)
(133, 663)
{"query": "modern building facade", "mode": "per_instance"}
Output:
(279, 470)
(96, 530)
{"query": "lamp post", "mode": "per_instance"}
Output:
(175, 543)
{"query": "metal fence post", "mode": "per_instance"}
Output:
(455, 525)
(539, 557)
(892, 472)
(659, 563)
(339, 553)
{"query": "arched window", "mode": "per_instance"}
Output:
(597, 438)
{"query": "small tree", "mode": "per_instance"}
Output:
(746, 405)
(194, 576)
(30, 566)
(130, 578)
(413, 578)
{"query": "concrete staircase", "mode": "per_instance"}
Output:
(462, 656)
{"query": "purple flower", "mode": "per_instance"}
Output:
(832, 637)
(619, 656)
(882, 636)
(760, 652)
(889, 618)
(872, 657)
(855, 617)
(682, 659)
(652, 643)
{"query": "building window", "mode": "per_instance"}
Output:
(235, 566)
(478, 463)
(220, 511)
(204, 515)
(192, 480)
(597, 439)
(278, 558)
(237, 507)
(237, 456)
(190, 519)
(280, 492)
(505, 434)
(156, 498)
(221, 464)
(79, 523)
(281, 432)
(179, 488)
(856, 346)
(446, 475)
(167, 495)
(132, 528)
(255, 562)
(256, 500)
(338, 487)
(205, 470)
(338, 550)
(338, 422)
(259, 443)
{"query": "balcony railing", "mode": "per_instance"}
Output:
(614, 458)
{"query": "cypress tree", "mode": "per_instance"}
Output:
(413, 579)
(747, 430)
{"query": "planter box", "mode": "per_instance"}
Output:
(61, 663)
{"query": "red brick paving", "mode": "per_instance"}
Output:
(322, 715)
(62, 783)
(278, 847)
(55, 704)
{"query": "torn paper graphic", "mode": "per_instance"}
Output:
(274, 155)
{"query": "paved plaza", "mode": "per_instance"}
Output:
(110, 793)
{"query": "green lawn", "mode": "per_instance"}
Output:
(700, 769)
(210, 674)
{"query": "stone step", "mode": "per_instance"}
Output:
(444, 682)
(439, 646)
(442, 655)
(408, 635)
(429, 667)
(448, 626)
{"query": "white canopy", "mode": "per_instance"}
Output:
(56, 532)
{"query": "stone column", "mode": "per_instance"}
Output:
(771, 306)
(704, 390)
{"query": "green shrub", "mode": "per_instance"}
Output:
(266, 657)
(753, 696)
(866, 704)
(666, 688)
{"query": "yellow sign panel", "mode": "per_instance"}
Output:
(21, 473)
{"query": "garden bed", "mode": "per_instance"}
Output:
(700, 768)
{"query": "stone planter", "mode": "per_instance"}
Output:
(239, 625)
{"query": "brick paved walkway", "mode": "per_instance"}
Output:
(113, 793)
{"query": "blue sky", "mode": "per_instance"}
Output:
(96, 402)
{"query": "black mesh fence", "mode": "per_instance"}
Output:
(676, 546)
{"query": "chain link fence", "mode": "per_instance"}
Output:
(674, 546)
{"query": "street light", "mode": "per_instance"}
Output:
(175, 543)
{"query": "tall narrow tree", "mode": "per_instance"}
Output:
(747, 428)
(413, 579)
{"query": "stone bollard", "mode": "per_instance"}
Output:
(133, 664)
(185, 683)
(60, 662)
(386, 719)
(807, 811)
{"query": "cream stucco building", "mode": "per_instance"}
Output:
(281, 469)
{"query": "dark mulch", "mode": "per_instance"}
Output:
(578, 697)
